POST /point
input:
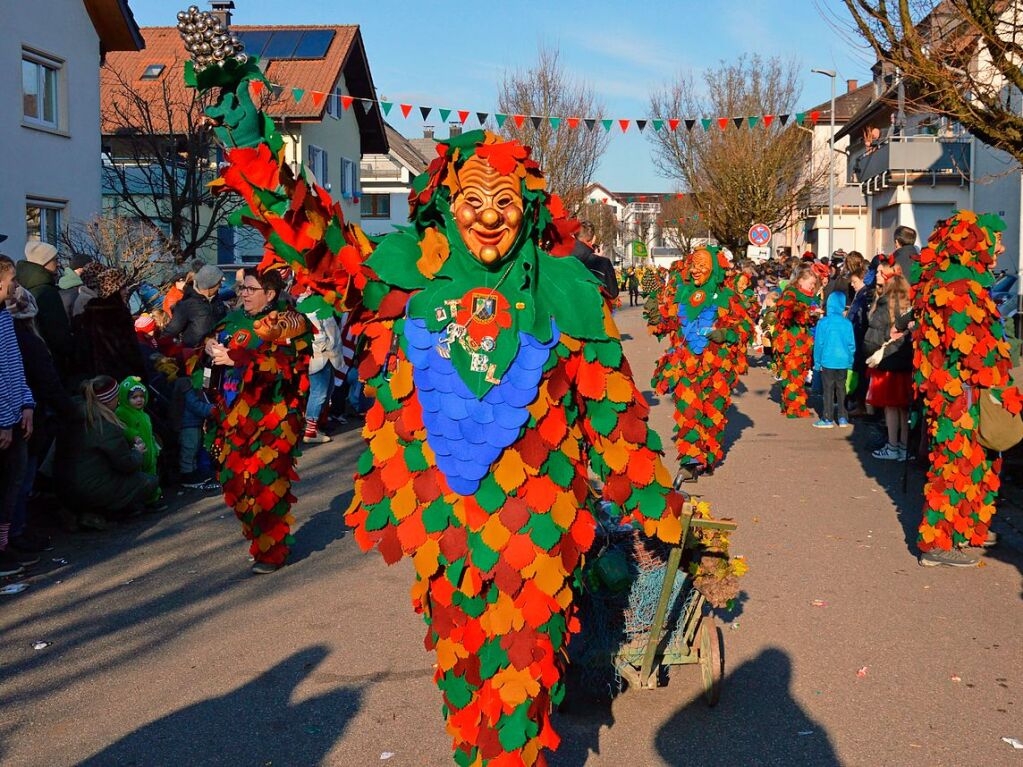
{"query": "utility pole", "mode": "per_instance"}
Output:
(831, 163)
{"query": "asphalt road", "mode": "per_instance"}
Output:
(164, 650)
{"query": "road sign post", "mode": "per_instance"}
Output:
(759, 235)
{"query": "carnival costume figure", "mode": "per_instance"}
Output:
(797, 311)
(699, 367)
(961, 355)
(500, 383)
(257, 383)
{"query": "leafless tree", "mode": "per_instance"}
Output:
(161, 158)
(680, 221)
(568, 156)
(133, 246)
(960, 58)
(740, 174)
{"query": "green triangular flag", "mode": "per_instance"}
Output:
(444, 114)
(500, 119)
(753, 121)
(658, 124)
(800, 116)
(386, 106)
(554, 121)
(298, 93)
(607, 124)
(706, 121)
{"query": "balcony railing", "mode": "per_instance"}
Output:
(914, 159)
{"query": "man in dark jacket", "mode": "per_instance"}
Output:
(905, 252)
(200, 310)
(38, 275)
(601, 267)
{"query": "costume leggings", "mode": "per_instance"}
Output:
(498, 674)
(792, 369)
(962, 483)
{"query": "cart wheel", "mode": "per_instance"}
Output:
(710, 659)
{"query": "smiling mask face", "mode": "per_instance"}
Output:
(488, 210)
(701, 267)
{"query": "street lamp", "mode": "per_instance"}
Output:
(831, 163)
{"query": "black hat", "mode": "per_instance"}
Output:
(79, 260)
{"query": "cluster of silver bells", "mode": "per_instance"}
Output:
(206, 39)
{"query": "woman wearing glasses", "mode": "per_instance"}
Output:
(255, 373)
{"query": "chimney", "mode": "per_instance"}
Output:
(427, 131)
(454, 129)
(221, 10)
(851, 85)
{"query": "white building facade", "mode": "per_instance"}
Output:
(50, 112)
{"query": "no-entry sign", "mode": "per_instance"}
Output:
(759, 235)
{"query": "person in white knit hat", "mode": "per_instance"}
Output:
(38, 274)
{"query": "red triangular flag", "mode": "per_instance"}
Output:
(346, 101)
(462, 116)
(722, 122)
(256, 87)
(768, 119)
(318, 97)
(673, 123)
(405, 109)
(679, 196)
(519, 120)
(624, 124)
(573, 122)
(814, 115)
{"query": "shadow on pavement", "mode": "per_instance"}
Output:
(737, 423)
(255, 724)
(757, 722)
(321, 530)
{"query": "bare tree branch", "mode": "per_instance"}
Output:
(128, 244)
(568, 157)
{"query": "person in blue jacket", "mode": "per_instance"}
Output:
(833, 350)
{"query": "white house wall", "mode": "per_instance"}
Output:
(997, 189)
(61, 166)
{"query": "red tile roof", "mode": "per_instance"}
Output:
(346, 55)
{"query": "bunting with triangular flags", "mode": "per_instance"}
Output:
(752, 121)
(705, 122)
(346, 102)
(482, 117)
(519, 120)
(463, 115)
(814, 115)
(737, 121)
(500, 119)
(690, 124)
(624, 125)
(425, 112)
(298, 94)
(536, 121)
(405, 109)
(318, 98)
(386, 106)
(607, 124)
(444, 114)
(590, 124)
(783, 119)
(366, 104)
(658, 124)
(640, 125)
(573, 122)
(768, 119)
(555, 122)
(800, 116)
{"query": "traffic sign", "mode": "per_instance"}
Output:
(759, 235)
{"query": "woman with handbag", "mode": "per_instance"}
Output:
(890, 361)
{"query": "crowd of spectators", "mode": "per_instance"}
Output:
(99, 406)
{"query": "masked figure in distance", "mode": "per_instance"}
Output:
(961, 355)
(499, 382)
(651, 286)
(699, 367)
(797, 312)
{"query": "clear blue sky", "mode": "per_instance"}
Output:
(453, 54)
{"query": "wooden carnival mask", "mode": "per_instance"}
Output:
(701, 266)
(488, 210)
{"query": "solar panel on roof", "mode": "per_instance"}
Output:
(314, 44)
(255, 41)
(282, 44)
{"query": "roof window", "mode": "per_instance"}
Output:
(153, 72)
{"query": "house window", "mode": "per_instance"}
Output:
(334, 103)
(376, 205)
(153, 72)
(319, 166)
(40, 89)
(349, 178)
(43, 220)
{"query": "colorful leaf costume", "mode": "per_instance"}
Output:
(960, 353)
(258, 415)
(796, 313)
(499, 385)
(699, 367)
